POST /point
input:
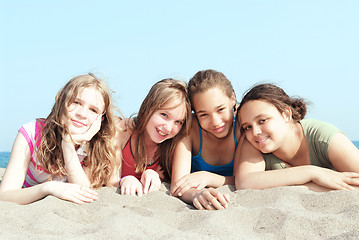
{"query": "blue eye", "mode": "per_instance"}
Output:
(94, 110)
(179, 122)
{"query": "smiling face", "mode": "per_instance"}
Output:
(86, 108)
(264, 126)
(166, 123)
(214, 111)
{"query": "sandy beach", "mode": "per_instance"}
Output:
(278, 213)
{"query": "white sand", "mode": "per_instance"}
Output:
(278, 213)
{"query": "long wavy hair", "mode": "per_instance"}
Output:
(103, 156)
(161, 94)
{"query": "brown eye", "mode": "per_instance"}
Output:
(246, 128)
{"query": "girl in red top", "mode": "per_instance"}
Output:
(149, 139)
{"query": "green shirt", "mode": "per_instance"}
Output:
(318, 136)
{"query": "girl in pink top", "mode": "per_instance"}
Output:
(148, 140)
(69, 152)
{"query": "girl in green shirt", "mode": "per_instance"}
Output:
(282, 149)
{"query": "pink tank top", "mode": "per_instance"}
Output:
(36, 173)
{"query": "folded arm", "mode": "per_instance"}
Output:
(11, 185)
(250, 174)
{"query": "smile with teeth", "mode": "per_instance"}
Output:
(161, 133)
(262, 140)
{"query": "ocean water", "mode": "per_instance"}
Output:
(356, 143)
(4, 159)
(4, 156)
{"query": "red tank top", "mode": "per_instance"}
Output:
(128, 163)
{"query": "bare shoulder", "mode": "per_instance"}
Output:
(249, 153)
(195, 134)
(194, 127)
(123, 123)
(343, 154)
(239, 134)
(123, 131)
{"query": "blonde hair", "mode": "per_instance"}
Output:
(103, 156)
(161, 94)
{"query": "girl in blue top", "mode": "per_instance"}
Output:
(205, 158)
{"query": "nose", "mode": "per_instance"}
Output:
(216, 119)
(168, 126)
(256, 130)
(81, 111)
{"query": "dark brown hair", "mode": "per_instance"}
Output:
(276, 96)
(206, 79)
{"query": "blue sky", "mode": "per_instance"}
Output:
(308, 47)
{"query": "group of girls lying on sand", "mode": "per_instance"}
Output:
(194, 135)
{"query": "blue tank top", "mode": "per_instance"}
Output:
(198, 164)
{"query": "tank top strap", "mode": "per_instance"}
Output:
(234, 131)
(234, 135)
(200, 135)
